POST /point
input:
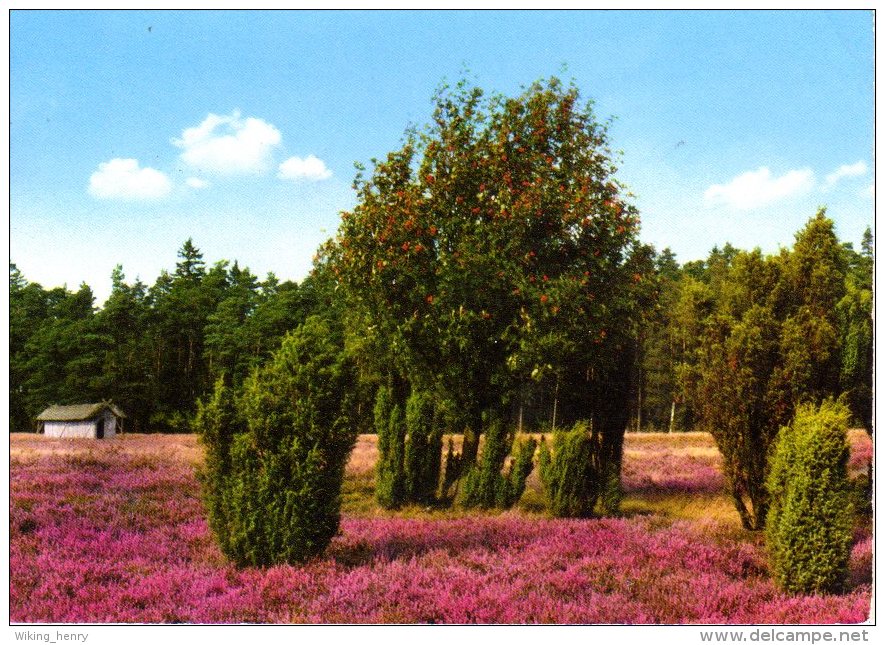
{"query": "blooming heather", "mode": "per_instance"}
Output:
(115, 532)
(861, 451)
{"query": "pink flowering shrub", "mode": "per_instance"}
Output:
(115, 532)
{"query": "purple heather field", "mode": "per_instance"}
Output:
(115, 532)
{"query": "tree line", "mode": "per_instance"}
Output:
(155, 350)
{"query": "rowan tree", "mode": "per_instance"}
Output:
(492, 248)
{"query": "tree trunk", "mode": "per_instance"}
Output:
(752, 517)
(469, 449)
(746, 517)
(555, 402)
(639, 405)
(672, 415)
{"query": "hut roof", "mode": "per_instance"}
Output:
(80, 412)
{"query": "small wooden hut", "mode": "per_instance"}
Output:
(86, 420)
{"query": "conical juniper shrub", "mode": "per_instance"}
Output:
(809, 525)
(381, 415)
(520, 468)
(569, 474)
(275, 481)
(456, 462)
(423, 453)
(218, 422)
(390, 425)
(611, 489)
(485, 486)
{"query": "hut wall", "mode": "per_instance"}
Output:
(110, 424)
(77, 429)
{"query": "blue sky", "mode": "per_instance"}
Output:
(132, 131)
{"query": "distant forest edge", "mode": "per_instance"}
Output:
(156, 350)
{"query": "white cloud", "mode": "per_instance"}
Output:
(309, 169)
(847, 170)
(124, 179)
(758, 187)
(229, 145)
(196, 182)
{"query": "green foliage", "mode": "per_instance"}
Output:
(485, 485)
(482, 481)
(855, 314)
(409, 446)
(124, 376)
(383, 408)
(248, 322)
(493, 251)
(809, 528)
(570, 474)
(769, 340)
(276, 454)
(733, 398)
(217, 422)
(862, 495)
(56, 349)
(390, 489)
(518, 472)
(423, 458)
(816, 268)
(612, 491)
(153, 351)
